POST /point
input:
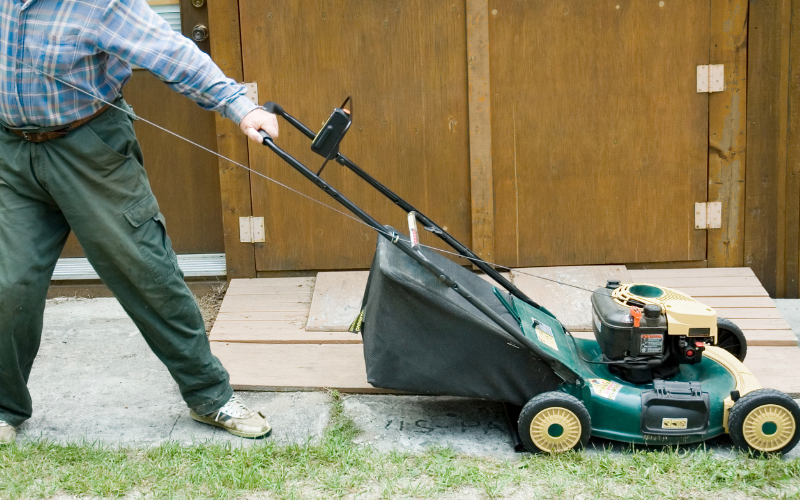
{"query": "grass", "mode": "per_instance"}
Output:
(334, 467)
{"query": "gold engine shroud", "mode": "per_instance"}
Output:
(685, 316)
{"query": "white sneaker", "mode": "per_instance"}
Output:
(237, 419)
(7, 433)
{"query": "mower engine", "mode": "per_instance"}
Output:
(648, 331)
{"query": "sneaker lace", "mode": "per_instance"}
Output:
(3, 423)
(234, 409)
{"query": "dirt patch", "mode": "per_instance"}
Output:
(210, 303)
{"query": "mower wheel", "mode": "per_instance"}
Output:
(766, 421)
(553, 422)
(731, 338)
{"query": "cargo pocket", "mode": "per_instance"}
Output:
(150, 235)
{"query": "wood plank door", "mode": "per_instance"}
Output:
(599, 137)
(404, 63)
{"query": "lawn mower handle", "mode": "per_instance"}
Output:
(277, 109)
(564, 372)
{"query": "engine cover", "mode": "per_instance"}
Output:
(646, 331)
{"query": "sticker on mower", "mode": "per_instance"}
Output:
(652, 344)
(605, 388)
(545, 335)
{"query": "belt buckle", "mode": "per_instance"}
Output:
(27, 136)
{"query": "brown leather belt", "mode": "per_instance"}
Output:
(38, 137)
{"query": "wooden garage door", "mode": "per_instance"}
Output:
(404, 63)
(599, 137)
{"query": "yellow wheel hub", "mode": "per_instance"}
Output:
(769, 427)
(555, 429)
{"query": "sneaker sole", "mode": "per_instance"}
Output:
(211, 421)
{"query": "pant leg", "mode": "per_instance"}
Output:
(98, 180)
(32, 234)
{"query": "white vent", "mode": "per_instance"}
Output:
(170, 10)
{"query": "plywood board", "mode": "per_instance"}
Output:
(336, 301)
(569, 300)
(277, 367)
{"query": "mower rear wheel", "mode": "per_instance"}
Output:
(766, 421)
(731, 338)
(553, 422)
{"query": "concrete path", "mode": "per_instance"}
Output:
(95, 380)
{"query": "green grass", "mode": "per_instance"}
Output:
(334, 467)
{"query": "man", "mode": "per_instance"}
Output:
(69, 161)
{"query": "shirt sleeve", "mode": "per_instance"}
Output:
(133, 32)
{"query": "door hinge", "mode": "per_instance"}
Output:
(251, 230)
(710, 78)
(252, 92)
(708, 215)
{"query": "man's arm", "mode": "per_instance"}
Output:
(131, 31)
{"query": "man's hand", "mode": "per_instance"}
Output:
(259, 119)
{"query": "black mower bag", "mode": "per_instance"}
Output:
(420, 336)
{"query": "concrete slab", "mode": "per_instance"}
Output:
(95, 379)
(416, 423)
(336, 301)
(790, 310)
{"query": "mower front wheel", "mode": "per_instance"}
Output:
(553, 422)
(766, 421)
(731, 338)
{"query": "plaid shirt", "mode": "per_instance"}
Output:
(92, 44)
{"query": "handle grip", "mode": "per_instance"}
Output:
(265, 137)
(273, 107)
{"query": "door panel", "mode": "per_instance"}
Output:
(404, 63)
(184, 178)
(599, 138)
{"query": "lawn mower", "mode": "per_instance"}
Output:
(663, 368)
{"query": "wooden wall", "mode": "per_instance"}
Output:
(772, 211)
(757, 119)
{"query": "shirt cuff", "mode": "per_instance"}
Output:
(236, 110)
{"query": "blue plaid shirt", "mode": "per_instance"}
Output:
(92, 44)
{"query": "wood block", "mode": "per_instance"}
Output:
(776, 367)
(681, 283)
(292, 317)
(293, 336)
(281, 367)
(262, 303)
(702, 272)
(735, 313)
(270, 282)
(572, 306)
(336, 301)
(723, 302)
(730, 291)
(770, 338)
(762, 324)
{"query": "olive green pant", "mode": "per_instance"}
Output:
(93, 182)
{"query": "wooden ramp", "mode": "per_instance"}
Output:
(261, 337)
